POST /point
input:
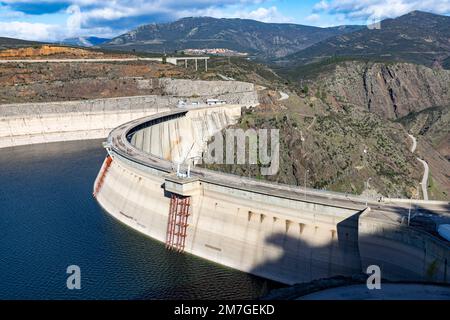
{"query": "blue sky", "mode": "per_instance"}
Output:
(58, 19)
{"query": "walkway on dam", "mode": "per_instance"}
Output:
(394, 212)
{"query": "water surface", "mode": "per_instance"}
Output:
(49, 220)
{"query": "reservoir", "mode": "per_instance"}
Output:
(49, 221)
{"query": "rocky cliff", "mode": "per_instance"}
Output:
(417, 37)
(339, 109)
(390, 90)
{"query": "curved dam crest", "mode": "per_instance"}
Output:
(268, 230)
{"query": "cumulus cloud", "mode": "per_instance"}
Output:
(265, 14)
(313, 18)
(107, 18)
(74, 20)
(29, 31)
(365, 9)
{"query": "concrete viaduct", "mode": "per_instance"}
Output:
(171, 60)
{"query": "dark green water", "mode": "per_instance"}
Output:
(49, 220)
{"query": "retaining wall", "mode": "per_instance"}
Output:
(32, 123)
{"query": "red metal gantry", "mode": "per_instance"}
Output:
(177, 222)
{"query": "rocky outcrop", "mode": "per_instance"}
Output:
(183, 87)
(31, 52)
(389, 90)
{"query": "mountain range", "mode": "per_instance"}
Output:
(84, 41)
(417, 37)
(267, 40)
(9, 43)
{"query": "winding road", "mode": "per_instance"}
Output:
(425, 179)
(425, 166)
(414, 140)
(225, 77)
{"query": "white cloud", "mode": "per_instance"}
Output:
(52, 32)
(363, 9)
(322, 5)
(6, 14)
(74, 21)
(265, 15)
(313, 18)
(29, 31)
(109, 18)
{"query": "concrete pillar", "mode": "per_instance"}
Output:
(206, 65)
(185, 63)
(196, 65)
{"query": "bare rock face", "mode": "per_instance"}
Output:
(182, 87)
(389, 90)
(46, 50)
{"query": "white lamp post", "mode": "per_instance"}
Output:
(367, 187)
(306, 176)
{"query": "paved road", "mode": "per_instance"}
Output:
(425, 179)
(79, 60)
(225, 77)
(425, 166)
(414, 140)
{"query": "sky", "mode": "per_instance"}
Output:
(54, 20)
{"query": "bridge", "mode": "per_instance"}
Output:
(171, 60)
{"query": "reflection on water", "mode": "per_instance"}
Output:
(49, 220)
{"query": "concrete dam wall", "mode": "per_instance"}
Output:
(184, 139)
(274, 231)
(22, 124)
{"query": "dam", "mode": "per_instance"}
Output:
(278, 232)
